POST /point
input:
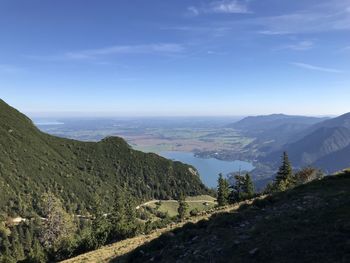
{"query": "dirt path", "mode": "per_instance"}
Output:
(107, 253)
(175, 201)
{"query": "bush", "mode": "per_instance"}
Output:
(194, 212)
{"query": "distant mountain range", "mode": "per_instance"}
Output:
(320, 142)
(273, 131)
(32, 162)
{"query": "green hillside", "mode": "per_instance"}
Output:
(309, 223)
(32, 162)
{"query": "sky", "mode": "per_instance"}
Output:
(175, 58)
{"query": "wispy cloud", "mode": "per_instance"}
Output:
(272, 33)
(320, 18)
(333, 16)
(315, 68)
(223, 7)
(300, 46)
(160, 48)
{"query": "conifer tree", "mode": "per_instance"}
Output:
(5, 249)
(284, 178)
(100, 227)
(242, 189)
(16, 246)
(249, 186)
(28, 239)
(183, 207)
(223, 191)
(130, 214)
(117, 217)
(36, 253)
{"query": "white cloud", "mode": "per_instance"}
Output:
(272, 33)
(315, 68)
(332, 16)
(232, 7)
(193, 10)
(300, 46)
(160, 48)
(326, 17)
(223, 7)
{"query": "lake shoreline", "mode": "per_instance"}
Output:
(208, 168)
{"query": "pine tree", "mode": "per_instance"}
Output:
(242, 189)
(284, 178)
(249, 186)
(117, 217)
(130, 215)
(5, 249)
(223, 191)
(183, 207)
(28, 239)
(36, 254)
(17, 248)
(100, 228)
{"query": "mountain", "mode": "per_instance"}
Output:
(273, 131)
(332, 162)
(260, 124)
(316, 145)
(323, 145)
(309, 223)
(341, 121)
(32, 162)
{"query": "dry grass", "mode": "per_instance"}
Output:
(107, 253)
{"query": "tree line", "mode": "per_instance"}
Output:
(243, 186)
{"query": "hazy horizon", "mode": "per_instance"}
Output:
(93, 115)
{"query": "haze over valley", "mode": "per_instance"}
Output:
(254, 141)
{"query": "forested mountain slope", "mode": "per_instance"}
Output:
(316, 145)
(323, 145)
(273, 131)
(32, 162)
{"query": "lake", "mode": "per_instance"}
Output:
(208, 168)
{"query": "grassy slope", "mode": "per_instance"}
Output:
(122, 248)
(195, 202)
(306, 224)
(32, 162)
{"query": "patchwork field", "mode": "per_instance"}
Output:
(156, 135)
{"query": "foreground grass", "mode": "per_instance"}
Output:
(118, 251)
(199, 203)
(310, 223)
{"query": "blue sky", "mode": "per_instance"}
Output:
(162, 57)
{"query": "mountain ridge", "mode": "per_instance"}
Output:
(32, 162)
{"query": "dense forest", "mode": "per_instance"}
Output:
(33, 162)
(74, 189)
